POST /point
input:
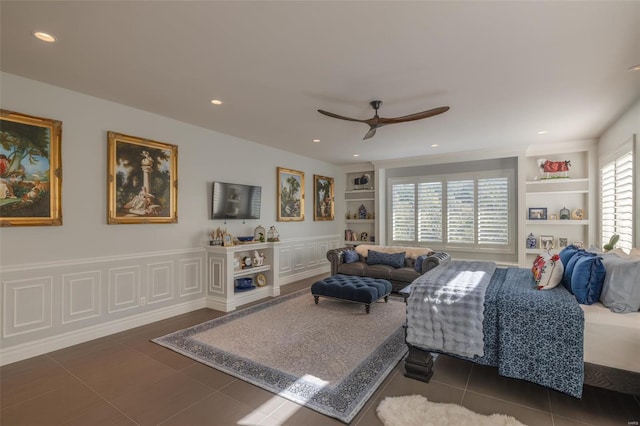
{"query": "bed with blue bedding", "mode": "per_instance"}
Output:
(526, 333)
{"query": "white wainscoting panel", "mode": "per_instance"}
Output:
(48, 306)
(302, 258)
(80, 296)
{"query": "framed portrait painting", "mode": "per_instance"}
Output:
(30, 170)
(142, 180)
(290, 195)
(323, 198)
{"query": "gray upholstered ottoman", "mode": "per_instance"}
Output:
(363, 290)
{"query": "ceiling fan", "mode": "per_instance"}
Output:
(376, 121)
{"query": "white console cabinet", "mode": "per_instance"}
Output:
(224, 266)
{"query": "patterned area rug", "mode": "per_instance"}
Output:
(329, 357)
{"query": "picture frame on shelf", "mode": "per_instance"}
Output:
(563, 242)
(290, 195)
(578, 244)
(30, 170)
(323, 198)
(227, 240)
(546, 242)
(537, 213)
(142, 180)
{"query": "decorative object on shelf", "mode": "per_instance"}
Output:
(323, 198)
(578, 244)
(546, 242)
(348, 215)
(355, 215)
(563, 242)
(290, 195)
(577, 214)
(554, 169)
(236, 262)
(258, 258)
(261, 280)
(149, 192)
(246, 262)
(612, 242)
(565, 214)
(246, 239)
(373, 238)
(532, 241)
(553, 216)
(369, 216)
(273, 235)
(537, 213)
(217, 236)
(32, 198)
(244, 282)
(362, 182)
(362, 212)
(227, 240)
(259, 234)
(364, 236)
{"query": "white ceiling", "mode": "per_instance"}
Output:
(506, 69)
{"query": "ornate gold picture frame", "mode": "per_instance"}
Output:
(142, 180)
(290, 195)
(30, 170)
(323, 198)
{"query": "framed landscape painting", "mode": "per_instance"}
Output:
(142, 180)
(290, 195)
(30, 170)
(323, 198)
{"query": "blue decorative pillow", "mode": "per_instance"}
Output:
(418, 265)
(568, 267)
(350, 256)
(587, 279)
(392, 259)
(567, 253)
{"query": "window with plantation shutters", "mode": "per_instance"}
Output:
(467, 211)
(616, 180)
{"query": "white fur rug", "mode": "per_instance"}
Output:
(416, 410)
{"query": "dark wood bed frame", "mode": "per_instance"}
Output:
(418, 365)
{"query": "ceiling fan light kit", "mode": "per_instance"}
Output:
(376, 121)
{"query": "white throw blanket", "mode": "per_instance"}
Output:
(445, 310)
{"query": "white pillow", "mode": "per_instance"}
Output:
(547, 271)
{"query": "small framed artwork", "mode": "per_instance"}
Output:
(227, 240)
(578, 244)
(563, 242)
(546, 242)
(290, 195)
(30, 170)
(323, 198)
(142, 180)
(537, 213)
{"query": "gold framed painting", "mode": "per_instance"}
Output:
(30, 170)
(323, 198)
(142, 180)
(290, 195)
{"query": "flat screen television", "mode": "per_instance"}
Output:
(235, 201)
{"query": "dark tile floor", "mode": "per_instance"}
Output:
(124, 379)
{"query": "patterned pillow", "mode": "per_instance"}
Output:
(547, 271)
(350, 256)
(395, 260)
(418, 265)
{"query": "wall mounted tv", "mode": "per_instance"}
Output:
(235, 201)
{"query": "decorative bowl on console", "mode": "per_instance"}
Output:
(245, 239)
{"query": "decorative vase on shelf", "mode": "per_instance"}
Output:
(531, 241)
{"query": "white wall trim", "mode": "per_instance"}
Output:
(42, 346)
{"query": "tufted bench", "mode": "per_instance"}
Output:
(363, 290)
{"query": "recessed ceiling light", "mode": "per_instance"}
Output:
(44, 37)
(216, 102)
(434, 145)
(316, 140)
(635, 68)
(542, 132)
(356, 155)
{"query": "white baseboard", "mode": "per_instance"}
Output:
(42, 346)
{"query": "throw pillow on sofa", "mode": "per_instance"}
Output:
(395, 260)
(587, 278)
(418, 265)
(350, 256)
(547, 271)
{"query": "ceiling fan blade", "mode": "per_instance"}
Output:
(416, 116)
(370, 133)
(341, 117)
